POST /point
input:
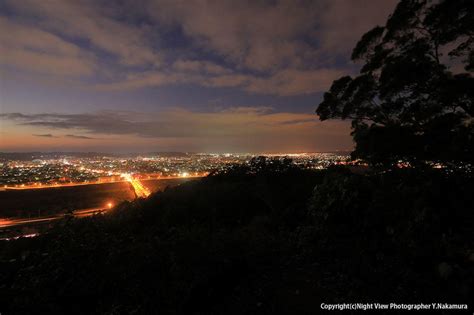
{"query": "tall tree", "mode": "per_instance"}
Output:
(413, 98)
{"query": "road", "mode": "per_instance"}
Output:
(140, 191)
(6, 223)
(44, 186)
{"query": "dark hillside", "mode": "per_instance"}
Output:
(262, 239)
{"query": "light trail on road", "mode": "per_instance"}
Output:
(140, 190)
(5, 223)
(48, 186)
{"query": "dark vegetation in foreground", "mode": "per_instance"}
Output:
(261, 239)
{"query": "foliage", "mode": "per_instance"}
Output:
(413, 98)
(401, 228)
(196, 248)
(254, 241)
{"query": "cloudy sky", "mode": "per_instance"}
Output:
(156, 75)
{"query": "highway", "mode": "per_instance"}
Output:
(140, 191)
(45, 186)
(6, 223)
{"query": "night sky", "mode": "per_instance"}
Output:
(152, 75)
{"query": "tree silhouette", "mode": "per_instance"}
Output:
(413, 98)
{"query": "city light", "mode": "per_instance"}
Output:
(48, 171)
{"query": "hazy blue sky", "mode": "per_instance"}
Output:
(153, 75)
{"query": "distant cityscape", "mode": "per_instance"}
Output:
(25, 170)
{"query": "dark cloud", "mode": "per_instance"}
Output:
(274, 35)
(46, 135)
(106, 122)
(283, 50)
(93, 22)
(342, 23)
(240, 128)
(79, 137)
(280, 47)
(298, 121)
(33, 49)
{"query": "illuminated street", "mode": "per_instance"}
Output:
(57, 185)
(140, 190)
(6, 223)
